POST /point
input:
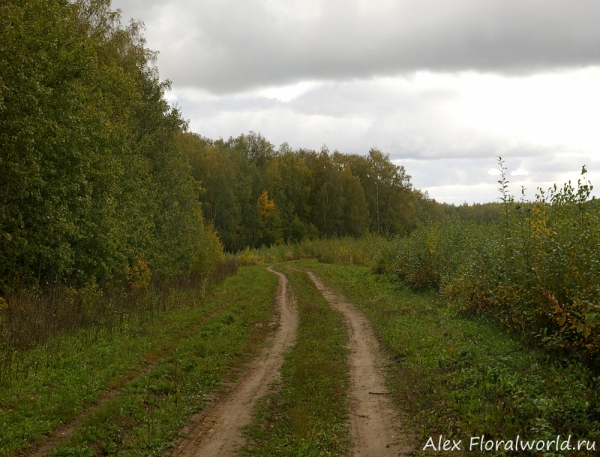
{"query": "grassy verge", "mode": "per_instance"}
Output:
(192, 349)
(465, 378)
(306, 415)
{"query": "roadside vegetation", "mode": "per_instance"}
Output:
(535, 272)
(463, 376)
(306, 414)
(158, 375)
(36, 328)
(349, 251)
(100, 223)
(95, 189)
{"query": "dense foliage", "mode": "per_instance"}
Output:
(257, 195)
(535, 271)
(93, 183)
(96, 168)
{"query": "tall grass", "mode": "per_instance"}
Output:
(536, 270)
(347, 251)
(30, 319)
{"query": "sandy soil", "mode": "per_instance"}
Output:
(374, 424)
(217, 432)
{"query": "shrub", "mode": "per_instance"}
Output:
(434, 255)
(540, 276)
(535, 271)
(348, 251)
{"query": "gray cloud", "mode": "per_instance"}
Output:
(393, 115)
(467, 180)
(449, 159)
(233, 45)
(364, 59)
(354, 117)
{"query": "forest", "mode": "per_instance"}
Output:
(122, 307)
(101, 179)
(93, 182)
(256, 195)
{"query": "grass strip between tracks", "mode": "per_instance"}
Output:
(306, 414)
(192, 350)
(465, 377)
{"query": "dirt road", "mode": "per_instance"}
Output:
(372, 419)
(218, 433)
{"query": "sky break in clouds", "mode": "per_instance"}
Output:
(443, 86)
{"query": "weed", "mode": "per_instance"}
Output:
(43, 321)
(535, 271)
(348, 251)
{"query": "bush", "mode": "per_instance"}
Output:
(434, 255)
(540, 275)
(535, 271)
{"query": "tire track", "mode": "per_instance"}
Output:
(373, 421)
(217, 432)
(63, 431)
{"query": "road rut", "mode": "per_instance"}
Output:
(218, 433)
(374, 423)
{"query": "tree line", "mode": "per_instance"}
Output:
(256, 195)
(93, 182)
(100, 181)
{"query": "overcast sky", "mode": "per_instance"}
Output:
(444, 86)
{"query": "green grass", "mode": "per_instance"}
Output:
(193, 349)
(307, 412)
(464, 377)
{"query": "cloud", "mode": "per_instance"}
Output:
(519, 172)
(427, 116)
(444, 87)
(229, 46)
(421, 122)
